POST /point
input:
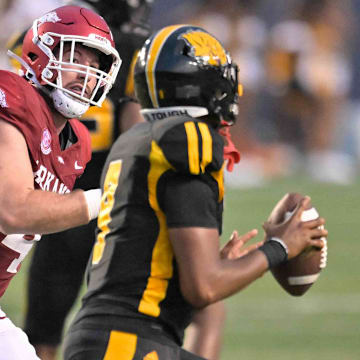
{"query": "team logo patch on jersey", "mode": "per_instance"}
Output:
(49, 17)
(206, 47)
(46, 142)
(3, 102)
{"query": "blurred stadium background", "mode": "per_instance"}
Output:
(298, 130)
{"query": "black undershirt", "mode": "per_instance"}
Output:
(67, 137)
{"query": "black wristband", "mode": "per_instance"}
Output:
(275, 251)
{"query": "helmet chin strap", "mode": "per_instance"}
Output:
(67, 106)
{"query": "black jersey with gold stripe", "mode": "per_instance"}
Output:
(157, 175)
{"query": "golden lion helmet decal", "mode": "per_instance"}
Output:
(183, 66)
(206, 47)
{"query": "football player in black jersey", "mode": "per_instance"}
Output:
(57, 270)
(52, 293)
(157, 258)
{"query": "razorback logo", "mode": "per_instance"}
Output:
(49, 17)
(206, 47)
(47, 181)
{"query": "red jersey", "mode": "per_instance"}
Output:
(54, 169)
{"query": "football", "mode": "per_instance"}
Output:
(297, 275)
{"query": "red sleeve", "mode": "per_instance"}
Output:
(18, 104)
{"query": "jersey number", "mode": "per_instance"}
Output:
(107, 204)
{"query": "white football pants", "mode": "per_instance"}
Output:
(14, 343)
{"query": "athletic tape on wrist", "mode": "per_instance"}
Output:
(281, 243)
(93, 199)
(275, 251)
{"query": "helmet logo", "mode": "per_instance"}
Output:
(46, 142)
(49, 17)
(206, 47)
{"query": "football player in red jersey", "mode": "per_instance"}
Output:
(58, 262)
(157, 259)
(69, 63)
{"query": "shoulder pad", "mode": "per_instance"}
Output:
(11, 92)
(189, 145)
(21, 105)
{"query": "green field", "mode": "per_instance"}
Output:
(263, 321)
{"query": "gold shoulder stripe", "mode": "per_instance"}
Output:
(158, 165)
(153, 55)
(219, 177)
(193, 147)
(162, 255)
(206, 146)
(121, 345)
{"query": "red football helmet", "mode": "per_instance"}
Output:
(70, 25)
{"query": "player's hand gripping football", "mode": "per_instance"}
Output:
(295, 233)
(234, 248)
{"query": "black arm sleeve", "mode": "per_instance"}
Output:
(188, 201)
